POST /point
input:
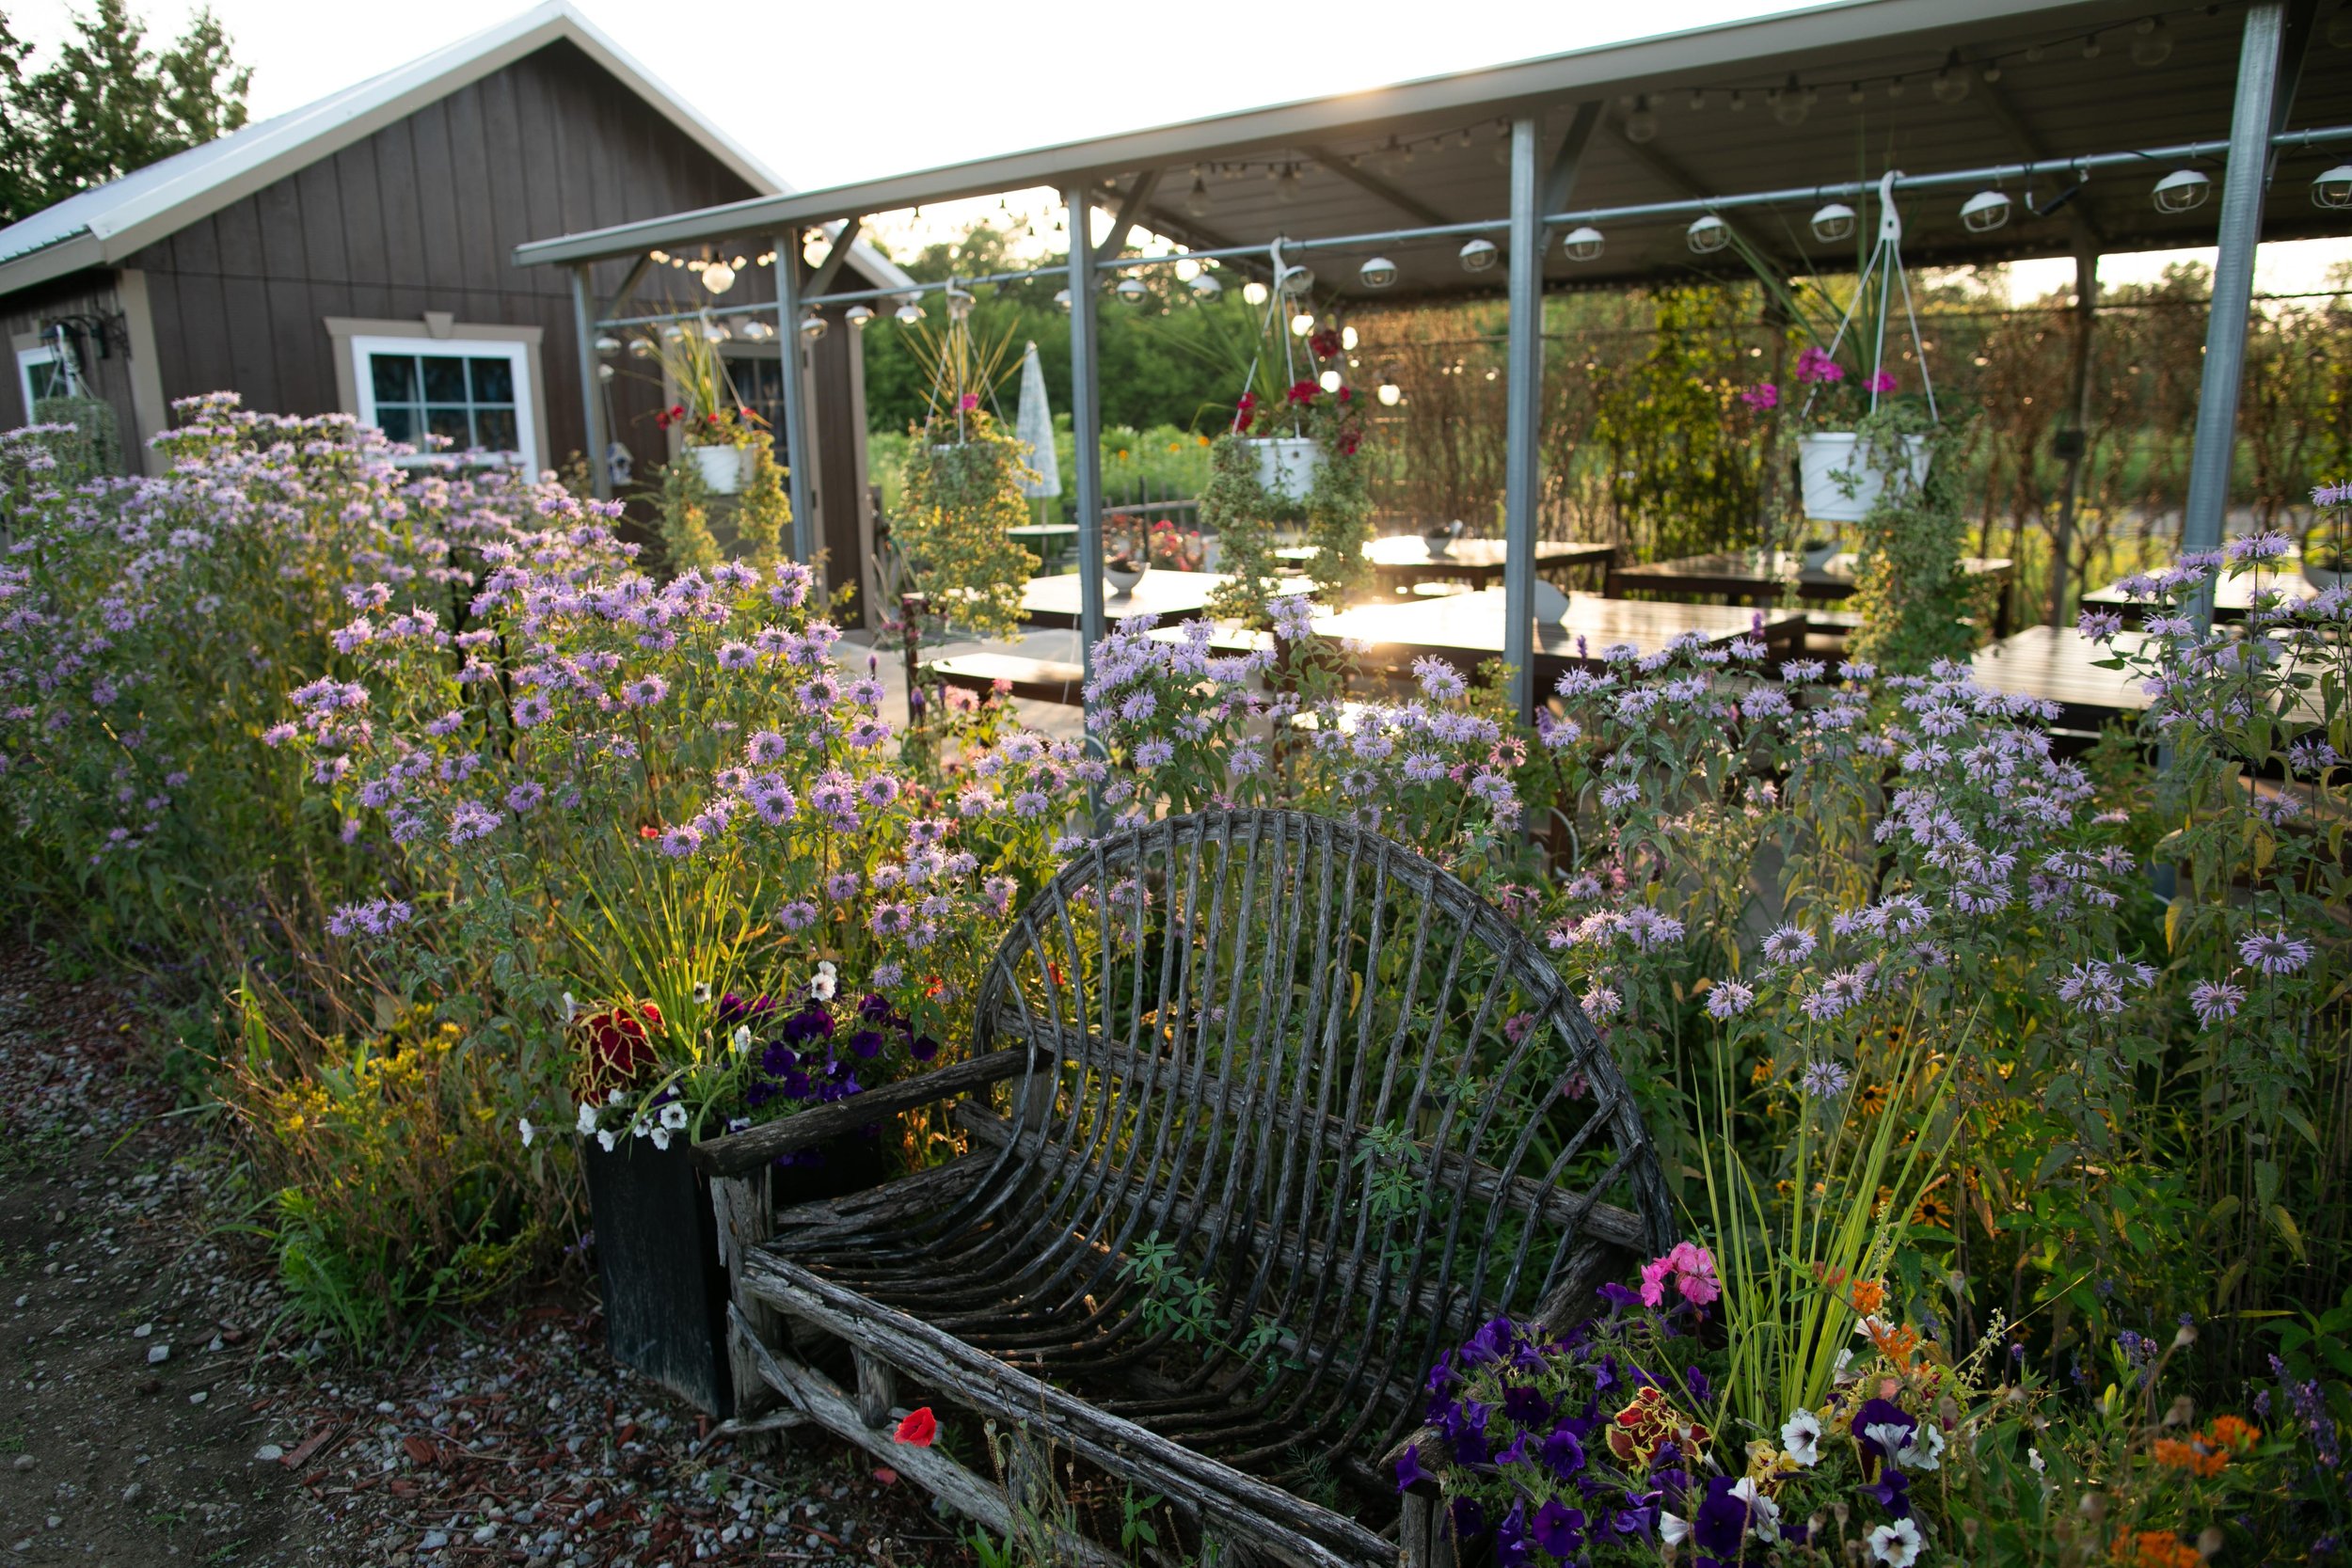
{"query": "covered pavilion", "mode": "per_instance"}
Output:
(2072, 108)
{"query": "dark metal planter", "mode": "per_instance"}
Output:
(665, 1292)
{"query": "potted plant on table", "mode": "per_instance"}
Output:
(1334, 509)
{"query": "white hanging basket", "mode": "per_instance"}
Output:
(1828, 461)
(1287, 464)
(722, 468)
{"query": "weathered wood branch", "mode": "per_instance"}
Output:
(747, 1150)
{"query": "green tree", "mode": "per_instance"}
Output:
(108, 104)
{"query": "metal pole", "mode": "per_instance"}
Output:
(1086, 423)
(1522, 419)
(2232, 287)
(795, 432)
(591, 387)
(2074, 435)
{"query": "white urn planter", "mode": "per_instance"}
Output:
(1287, 464)
(1825, 456)
(722, 468)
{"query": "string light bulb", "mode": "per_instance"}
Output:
(1207, 287)
(1479, 255)
(909, 313)
(1348, 339)
(1951, 83)
(857, 316)
(718, 278)
(1378, 273)
(1197, 200)
(1253, 293)
(813, 326)
(757, 331)
(640, 348)
(1297, 280)
(1583, 244)
(2333, 189)
(1331, 381)
(1132, 291)
(608, 346)
(1641, 125)
(1061, 297)
(1791, 103)
(1389, 394)
(1833, 221)
(2184, 190)
(1302, 324)
(1707, 235)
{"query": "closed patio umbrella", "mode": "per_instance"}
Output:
(1034, 428)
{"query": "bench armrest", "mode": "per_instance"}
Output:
(740, 1152)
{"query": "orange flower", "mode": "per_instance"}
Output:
(2229, 1431)
(2157, 1548)
(2192, 1457)
(1869, 1296)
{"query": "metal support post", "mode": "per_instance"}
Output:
(2232, 286)
(795, 432)
(1522, 418)
(591, 384)
(2073, 437)
(1086, 423)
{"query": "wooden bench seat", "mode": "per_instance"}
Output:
(1266, 1111)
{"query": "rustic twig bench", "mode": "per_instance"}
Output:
(1265, 1112)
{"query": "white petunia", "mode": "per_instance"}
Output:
(1800, 1437)
(673, 1116)
(824, 985)
(742, 1038)
(612, 1097)
(607, 1140)
(661, 1137)
(702, 990)
(641, 1127)
(2033, 1457)
(587, 1119)
(1673, 1529)
(1842, 1371)
(1896, 1545)
(1763, 1513)
(571, 1009)
(1921, 1452)
(1893, 1441)
(529, 1132)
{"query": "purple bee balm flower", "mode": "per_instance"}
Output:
(2212, 1001)
(681, 841)
(1728, 998)
(525, 795)
(2274, 952)
(644, 691)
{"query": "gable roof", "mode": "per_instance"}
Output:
(103, 226)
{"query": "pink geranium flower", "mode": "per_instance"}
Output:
(1692, 1270)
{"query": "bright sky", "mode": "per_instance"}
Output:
(928, 81)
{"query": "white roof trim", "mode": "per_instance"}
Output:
(104, 226)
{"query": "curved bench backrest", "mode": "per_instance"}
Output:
(1335, 1108)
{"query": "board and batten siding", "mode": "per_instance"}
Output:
(423, 216)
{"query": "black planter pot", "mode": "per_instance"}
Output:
(665, 1292)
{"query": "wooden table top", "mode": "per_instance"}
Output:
(2232, 596)
(1043, 531)
(1171, 595)
(1468, 628)
(1410, 552)
(2061, 664)
(1754, 571)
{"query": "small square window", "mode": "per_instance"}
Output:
(474, 395)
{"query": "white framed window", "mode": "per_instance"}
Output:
(475, 391)
(41, 373)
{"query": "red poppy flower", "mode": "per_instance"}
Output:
(919, 1428)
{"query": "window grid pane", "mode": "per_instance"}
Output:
(472, 402)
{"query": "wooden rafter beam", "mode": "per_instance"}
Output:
(1403, 201)
(1663, 168)
(642, 266)
(2003, 111)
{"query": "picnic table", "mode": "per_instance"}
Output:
(1764, 578)
(2232, 596)
(1467, 628)
(2060, 664)
(1171, 595)
(1402, 559)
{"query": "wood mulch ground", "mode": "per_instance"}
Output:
(160, 1409)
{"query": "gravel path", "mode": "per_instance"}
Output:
(159, 1410)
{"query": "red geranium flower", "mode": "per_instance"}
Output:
(1324, 344)
(1304, 391)
(1347, 394)
(919, 1428)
